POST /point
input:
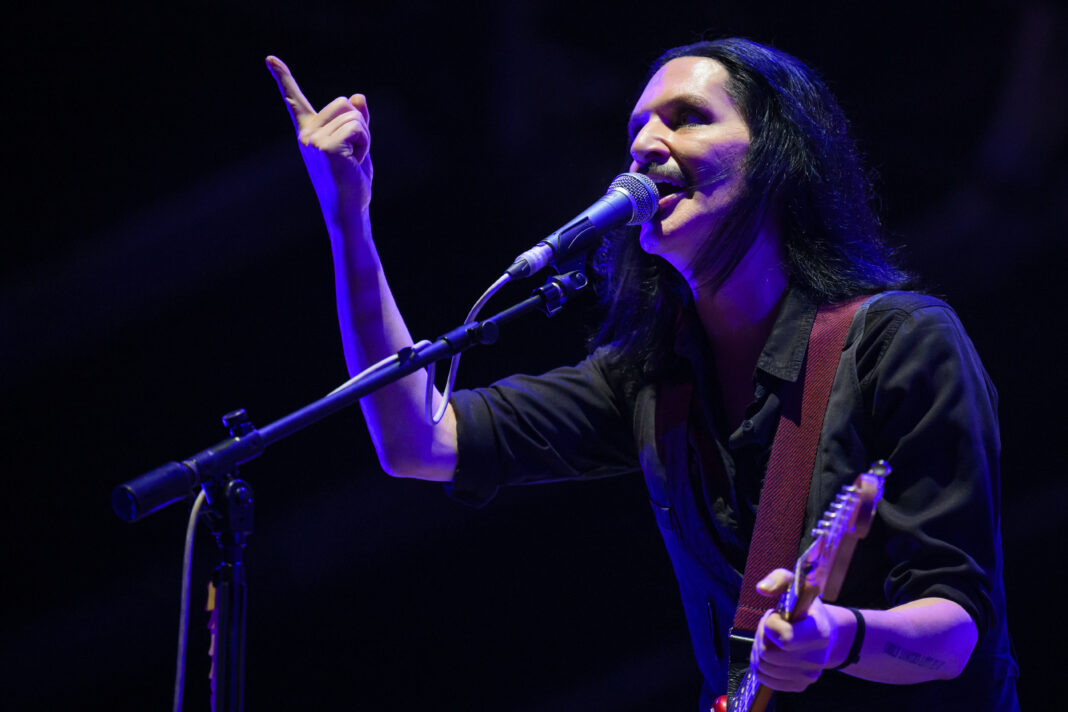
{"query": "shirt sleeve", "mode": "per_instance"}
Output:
(568, 424)
(934, 412)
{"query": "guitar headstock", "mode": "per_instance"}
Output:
(821, 569)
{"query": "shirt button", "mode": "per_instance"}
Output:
(760, 391)
(747, 425)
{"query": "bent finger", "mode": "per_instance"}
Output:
(349, 123)
(360, 102)
(346, 129)
(787, 668)
(771, 659)
(353, 132)
(777, 631)
(340, 106)
(785, 680)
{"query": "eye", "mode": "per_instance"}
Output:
(691, 117)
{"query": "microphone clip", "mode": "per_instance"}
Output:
(559, 288)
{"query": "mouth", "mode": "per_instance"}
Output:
(666, 186)
(670, 192)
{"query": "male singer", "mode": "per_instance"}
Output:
(763, 221)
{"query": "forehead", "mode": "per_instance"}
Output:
(686, 76)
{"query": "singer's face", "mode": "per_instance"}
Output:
(689, 137)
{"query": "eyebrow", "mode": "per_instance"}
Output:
(687, 100)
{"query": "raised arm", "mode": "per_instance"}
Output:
(335, 144)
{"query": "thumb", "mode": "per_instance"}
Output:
(775, 583)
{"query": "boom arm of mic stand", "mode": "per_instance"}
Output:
(175, 481)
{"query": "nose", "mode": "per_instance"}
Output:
(650, 146)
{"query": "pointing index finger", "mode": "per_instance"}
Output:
(299, 107)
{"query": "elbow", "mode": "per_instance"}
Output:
(953, 671)
(398, 462)
(408, 461)
(392, 466)
(944, 631)
(962, 645)
(408, 448)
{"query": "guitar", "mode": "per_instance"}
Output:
(820, 570)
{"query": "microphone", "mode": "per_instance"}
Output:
(631, 200)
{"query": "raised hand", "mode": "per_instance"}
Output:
(335, 143)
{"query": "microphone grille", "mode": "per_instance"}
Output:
(642, 193)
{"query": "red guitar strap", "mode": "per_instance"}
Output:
(784, 495)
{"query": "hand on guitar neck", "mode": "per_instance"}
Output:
(790, 656)
(926, 639)
(801, 636)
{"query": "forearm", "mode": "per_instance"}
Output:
(372, 328)
(927, 639)
(335, 143)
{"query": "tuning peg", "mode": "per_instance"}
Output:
(880, 468)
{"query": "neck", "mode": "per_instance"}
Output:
(738, 315)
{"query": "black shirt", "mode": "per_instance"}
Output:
(910, 389)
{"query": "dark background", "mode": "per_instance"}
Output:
(165, 262)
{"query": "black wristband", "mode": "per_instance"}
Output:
(858, 640)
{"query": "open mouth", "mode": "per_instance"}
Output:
(667, 186)
(664, 189)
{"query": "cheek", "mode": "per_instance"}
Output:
(725, 163)
(697, 217)
(727, 180)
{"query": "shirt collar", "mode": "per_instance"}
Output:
(784, 351)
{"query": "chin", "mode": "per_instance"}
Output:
(662, 236)
(650, 240)
(654, 242)
(676, 244)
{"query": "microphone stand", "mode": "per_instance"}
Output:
(229, 501)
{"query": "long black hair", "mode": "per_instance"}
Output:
(801, 163)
